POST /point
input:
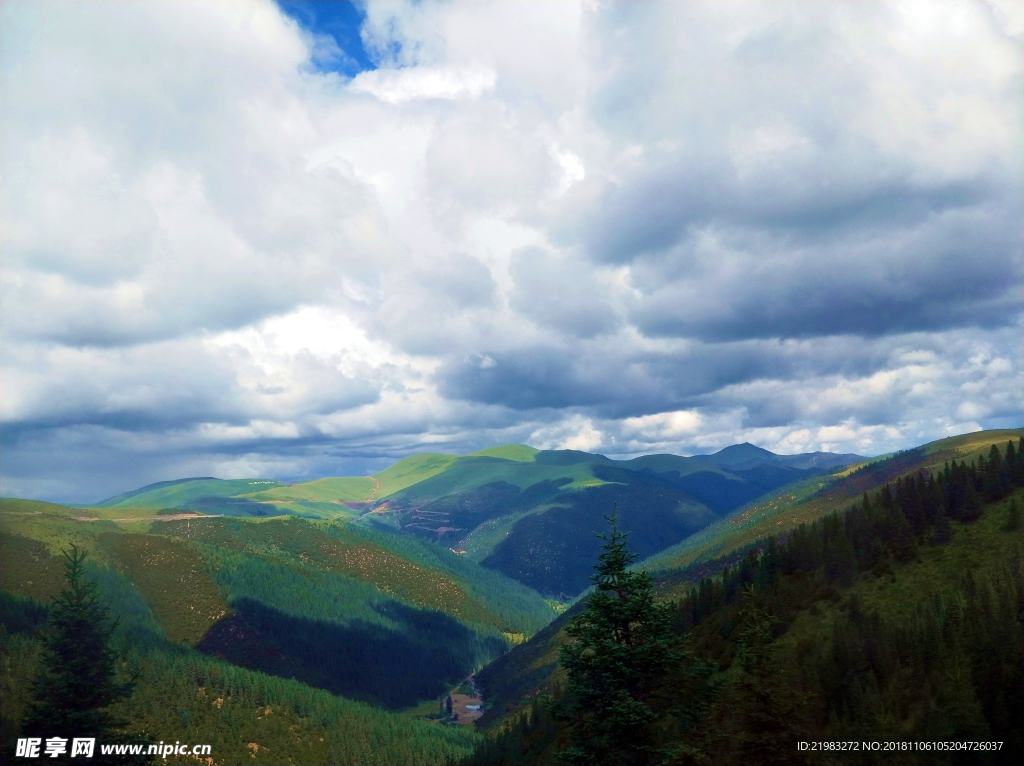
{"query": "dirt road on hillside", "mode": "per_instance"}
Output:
(166, 517)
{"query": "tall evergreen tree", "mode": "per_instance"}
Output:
(76, 684)
(763, 699)
(1013, 516)
(630, 681)
(1011, 463)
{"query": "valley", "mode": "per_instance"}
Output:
(523, 512)
(354, 604)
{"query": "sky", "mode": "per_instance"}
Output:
(249, 239)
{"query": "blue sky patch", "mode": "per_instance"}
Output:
(340, 20)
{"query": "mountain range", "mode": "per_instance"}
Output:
(524, 512)
(746, 456)
(327, 619)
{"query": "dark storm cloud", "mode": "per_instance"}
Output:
(653, 207)
(615, 380)
(837, 209)
(877, 381)
(957, 274)
(806, 257)
(196, 385)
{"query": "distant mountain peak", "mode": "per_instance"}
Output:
(739, 453)
(746, 448)
(746, 456)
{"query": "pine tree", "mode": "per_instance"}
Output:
(972, 501)
(1013, 516)
(1015, 461)
(626, 668)
(76, 684)
(995, 482)
(943, 530)
(763, 698)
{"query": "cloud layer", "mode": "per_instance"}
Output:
(628, 228)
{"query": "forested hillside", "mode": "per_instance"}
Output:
(898, 619)
(246, 716)
(529, 514)
(272, 632)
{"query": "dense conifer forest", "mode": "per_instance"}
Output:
(279, 641)
(900, 620)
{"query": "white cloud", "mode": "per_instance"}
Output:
(575, 432)
(664, 426)
(396, 86)
(624, 227)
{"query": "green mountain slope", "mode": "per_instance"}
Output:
(813, 497)
(979, 546)
(246, 716)
(532, 519)
(900, 619)
(177, 494)
(524, 512)
(509, 452)
(323, 603)
(335, 498)
(410, 471)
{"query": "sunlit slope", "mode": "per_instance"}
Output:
(196, 633)
(51, 528)
(175, 494)
(407, 569)
(384, 619)
(532, 519)
(17, 505)
(468, 473)
(411, 470)
(812, 498)
(520, 452)
(322, 498)
(356, 489)
(171, 577)
(403, 568)
(407, 472)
